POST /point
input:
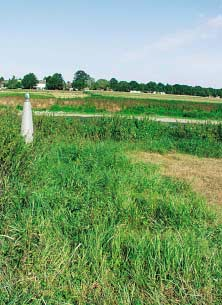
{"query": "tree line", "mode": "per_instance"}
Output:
(82, 81)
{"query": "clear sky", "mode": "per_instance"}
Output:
(176, 41)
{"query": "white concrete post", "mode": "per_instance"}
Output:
(27, 122)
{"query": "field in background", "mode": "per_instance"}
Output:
(80, 94)
(157, 96)
(43, 94)
(82, 223)
(118, 103)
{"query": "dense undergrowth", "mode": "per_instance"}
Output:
(81, 224)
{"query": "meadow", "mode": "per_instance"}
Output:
(119, 103)
(157, 96)
(130, 95)
(141, 107)
(83, 223)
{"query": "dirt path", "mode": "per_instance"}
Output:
(158, 119)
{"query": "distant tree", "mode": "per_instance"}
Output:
(90, 83)
(123, 86)
(102, 84)
(151, 87)
(68, 85)
(219, 93)
(80, 80)
(13, 83)
(198, 91)
(113, 84)
(142, 87)
(55, 82)
(2, 81)
(29, 81)
(160, 87)
(134, 86)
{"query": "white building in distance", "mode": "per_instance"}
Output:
(41, 85)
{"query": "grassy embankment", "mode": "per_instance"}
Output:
(82, 224)
(102, 102)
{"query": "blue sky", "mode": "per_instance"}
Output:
(169, 41)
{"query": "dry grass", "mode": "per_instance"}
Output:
(67, 94)
(204, 174)
(19, 101)
(53, 93)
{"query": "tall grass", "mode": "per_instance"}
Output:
(81, 224)
(201, 140)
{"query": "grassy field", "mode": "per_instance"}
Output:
(119, 103)
(43, 94)
(157, 96)
(79, 94)
(177, 109)
(33, 94)
(83, 223)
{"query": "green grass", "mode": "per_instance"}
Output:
(81, 224)
(173, 112)
(148, 110)
(163, 107)
(84, 108)
(157, 96)
(133, 106)
(34, 95)
(127, 105)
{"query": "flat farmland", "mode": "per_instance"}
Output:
(43, 94)
(95, 102)
(80, 94)
(158, 96)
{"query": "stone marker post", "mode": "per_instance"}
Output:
(27, 122)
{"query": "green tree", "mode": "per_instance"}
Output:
(151, 87)
(102, 84)
(2, 81)
(160, 87)
(114, 84)
(14, 83)
(123, 86)
(29, 81)
(134, 86)
(142, 87)
(55, 82)
(80, 80)
(90, 83)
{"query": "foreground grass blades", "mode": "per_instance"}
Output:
(81, 224)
